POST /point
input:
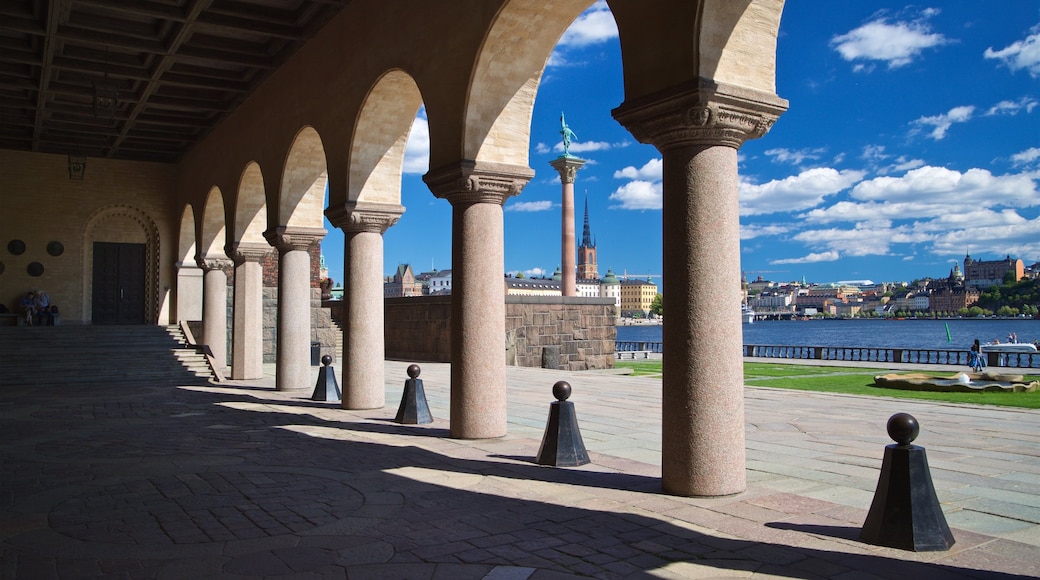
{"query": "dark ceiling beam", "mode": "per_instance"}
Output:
(46, 56)
(184, 32)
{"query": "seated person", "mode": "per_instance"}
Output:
(43, 309)
(27, 307)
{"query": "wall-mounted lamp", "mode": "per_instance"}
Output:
(77, 167)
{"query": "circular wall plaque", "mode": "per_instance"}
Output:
(16, 247)
(55, 248)
(34, 269)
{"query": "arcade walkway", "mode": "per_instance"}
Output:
(240, 481)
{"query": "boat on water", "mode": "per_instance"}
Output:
(1010, 347)
(747, 315)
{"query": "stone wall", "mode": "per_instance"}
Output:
(541, 331)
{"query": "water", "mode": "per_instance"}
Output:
(912, 334)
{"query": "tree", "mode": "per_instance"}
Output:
(657, 306)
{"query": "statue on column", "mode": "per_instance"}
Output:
(568, 135)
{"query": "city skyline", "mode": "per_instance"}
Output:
(912, 139)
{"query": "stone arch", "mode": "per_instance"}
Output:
(724, 40)
(301, 198)
(212, 227)
(380, 136)
(188, 288)
(506, 78)
(251, 207)
(186, 249)
(122, 223)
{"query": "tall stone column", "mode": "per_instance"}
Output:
(698, 129)
(476, 191)
(214, 307)
(568, 166)
(247, 330)
(294, 305)
(363, 225)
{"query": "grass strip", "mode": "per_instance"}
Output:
(849, 381)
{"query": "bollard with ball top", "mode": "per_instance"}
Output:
(562, 445)
(413, 409)
(905, 513)
(326, 389)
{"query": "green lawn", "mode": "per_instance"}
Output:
(847, 380)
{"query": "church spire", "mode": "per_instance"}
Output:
(586, 233)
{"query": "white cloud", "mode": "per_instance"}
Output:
(536, 272)
(651, 171)
(831, 256)
(1026, 157)
(542, 148)
(782, 155)
(594, 26)
(529, 206)
(1021, 54)
(638, 195)
(795, 193)
(947, 187)
(941, 123)
(752, 231)
(896, 44)
(1012, 107)
(417, 150)
(585, 147)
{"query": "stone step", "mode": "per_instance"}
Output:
(99, 354)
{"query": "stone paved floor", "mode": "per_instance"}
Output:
(239, 481)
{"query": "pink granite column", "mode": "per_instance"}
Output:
(698, 130)
(247, 330)
(568, 166)
(363, 333)
(214, 307)
(477, 191)
(294, 305)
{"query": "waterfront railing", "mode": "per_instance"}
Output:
(923, 356)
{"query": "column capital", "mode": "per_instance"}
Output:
(242, 252)
(361, 216)
(287, 238)
(210, 263)
(470, 181)
(568, 167)
(700, 113)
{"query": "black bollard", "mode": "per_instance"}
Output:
(562, 445)
(905, 513)
(413, 409)
(326, 389)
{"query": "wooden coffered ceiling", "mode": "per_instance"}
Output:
(176, 68)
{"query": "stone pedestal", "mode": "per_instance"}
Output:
(478, 383)
(214, 307)
(294, 301)
(698, 129)
(247, 341)
(363, 332)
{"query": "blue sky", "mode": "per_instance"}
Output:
(912, 138)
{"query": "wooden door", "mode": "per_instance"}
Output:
(118, 289)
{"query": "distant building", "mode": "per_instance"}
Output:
(402, 283)
(440, 283)
(587, 269)
(610, 287)
(983, 274)
(533, 287)
(636, 297)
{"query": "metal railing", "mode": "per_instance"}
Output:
(859, 354)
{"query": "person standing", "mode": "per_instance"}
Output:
(975, 357)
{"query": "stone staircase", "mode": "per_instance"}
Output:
(99, 354)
